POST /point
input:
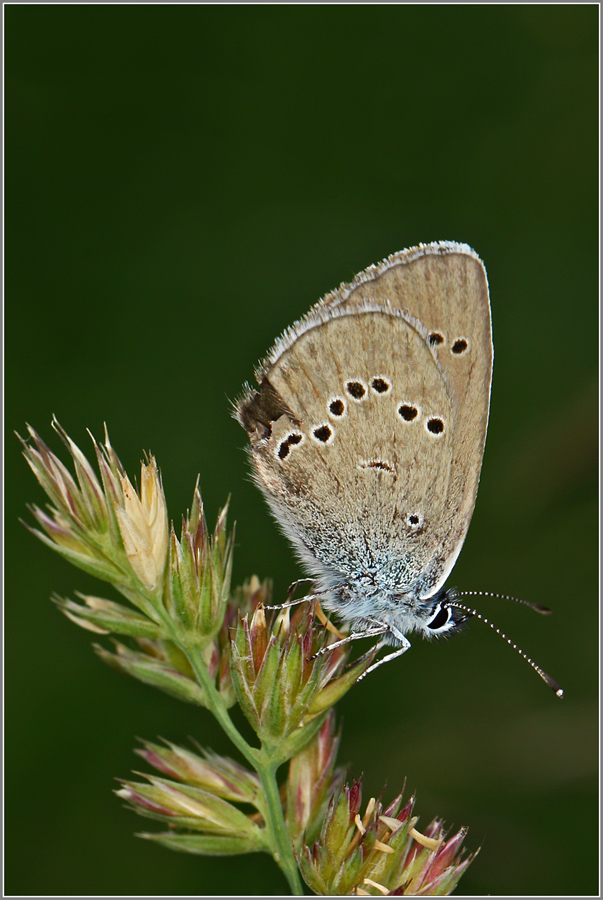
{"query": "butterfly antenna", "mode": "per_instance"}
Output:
(537, 607)
(473, 612)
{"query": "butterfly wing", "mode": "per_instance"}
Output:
(367, 432)
(445, 286)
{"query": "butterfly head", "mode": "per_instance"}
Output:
(444, 617)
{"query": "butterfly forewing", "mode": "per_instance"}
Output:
(368, 430)
(445, 286)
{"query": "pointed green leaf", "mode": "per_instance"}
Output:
(208, 844)
(153, 672)
(111, 617)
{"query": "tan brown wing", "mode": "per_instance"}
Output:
(394, 469)
(445, 286)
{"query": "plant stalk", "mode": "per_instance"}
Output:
(282, 848)
(280, 843)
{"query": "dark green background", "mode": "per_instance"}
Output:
(182, 182)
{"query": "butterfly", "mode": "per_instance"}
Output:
(367, 433)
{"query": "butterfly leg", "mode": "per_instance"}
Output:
(370, 632)
(292, 588)
(390, 656)
(290, 603)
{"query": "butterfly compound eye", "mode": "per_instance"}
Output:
(441, 619)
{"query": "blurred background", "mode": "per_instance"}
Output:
(182, 183)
